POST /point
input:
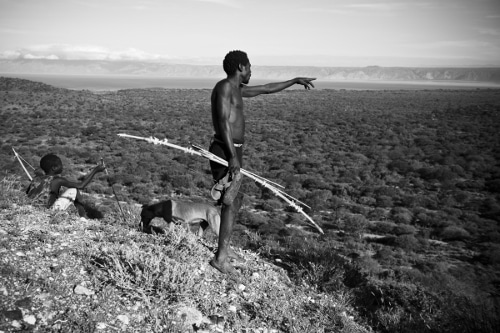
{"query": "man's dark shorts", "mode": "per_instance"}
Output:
(217, 147)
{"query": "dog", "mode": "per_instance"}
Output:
(195, 214)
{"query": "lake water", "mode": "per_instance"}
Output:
(117, 82)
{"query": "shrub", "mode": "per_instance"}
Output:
(384, 254)
(407, 242)
(269, 230)
(96, 188)
(401, 166)
(401, 215)
(184, 181)
(383, 227)
(355, 224)
(404, 229)
(269, 205)
(368, 201)
(452, 233)
(379, 213)
(369, 265)
(385, 201)
(318, 199)
(250, 219)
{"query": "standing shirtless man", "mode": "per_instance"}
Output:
(229, 125)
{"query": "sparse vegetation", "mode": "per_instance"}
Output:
(404, 183)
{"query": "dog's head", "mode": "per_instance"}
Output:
(147, 213)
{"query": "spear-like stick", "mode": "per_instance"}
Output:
(112, 188)
(201, 152)
(21, 162)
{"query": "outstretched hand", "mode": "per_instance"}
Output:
(305, 81)
(100, 167)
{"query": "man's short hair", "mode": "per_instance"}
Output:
(233, 59)
(49, 161)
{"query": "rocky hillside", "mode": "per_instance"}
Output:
(63, 273)
(91, 67)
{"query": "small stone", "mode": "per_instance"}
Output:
(189, 316)
(4, 291)
(16, 324)
(81, 290)
(20, 254)
(101, 326)
(124, 319)
(255, 275)
(29, 319)
(241, 287)
(232, 308)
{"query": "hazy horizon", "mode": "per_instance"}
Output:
(118, 82)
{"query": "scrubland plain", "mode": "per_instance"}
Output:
(405, 184)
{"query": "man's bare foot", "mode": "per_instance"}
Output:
(233, 256)
(224, 267)
(232, 191)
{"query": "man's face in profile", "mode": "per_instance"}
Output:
(246, 73)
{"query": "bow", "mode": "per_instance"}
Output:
(21, 162)
(196, 150)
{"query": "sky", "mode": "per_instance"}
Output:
(335, 33)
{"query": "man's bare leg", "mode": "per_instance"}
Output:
(222, 258)
(232, 191)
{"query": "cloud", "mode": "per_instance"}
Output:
(79, 52)
(490, 32)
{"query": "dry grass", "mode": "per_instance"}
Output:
(63, 273)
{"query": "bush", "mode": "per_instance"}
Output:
(355, 224)
(383, 227)
(401, 215)
(368, 201)
(407, 242)
(184, 181)
(384, 254)
(453, 233)
(250, 219)
(270, 205)
(404, 229)
(385, 201)
(379, 213)
(401, 166)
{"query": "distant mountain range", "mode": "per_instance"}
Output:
(157, 69)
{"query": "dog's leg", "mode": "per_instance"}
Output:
(145, 225)
(202, 227)
(213, 219)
